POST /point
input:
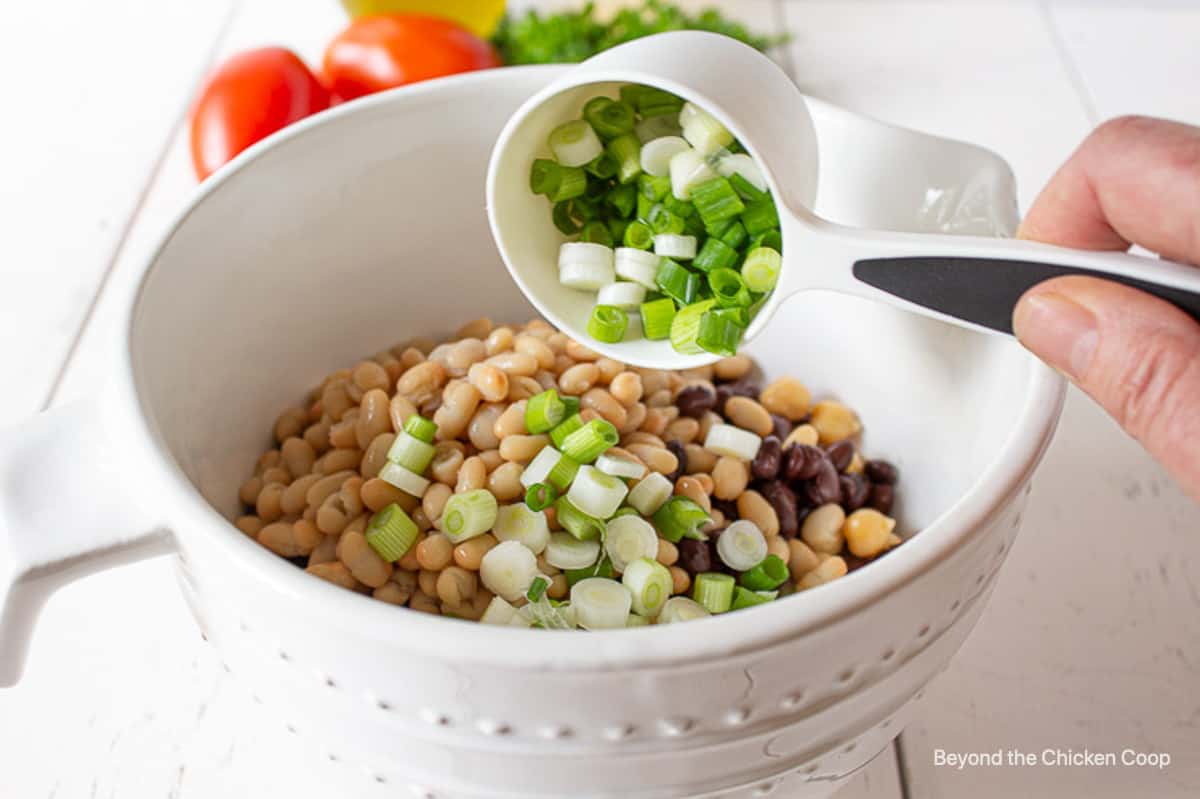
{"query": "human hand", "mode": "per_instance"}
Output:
(1134, 180)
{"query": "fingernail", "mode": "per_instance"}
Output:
(1058, 330)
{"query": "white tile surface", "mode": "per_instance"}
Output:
(89, 103)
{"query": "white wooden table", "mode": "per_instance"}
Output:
(1091, 641)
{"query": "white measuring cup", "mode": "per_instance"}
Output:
(970, 281)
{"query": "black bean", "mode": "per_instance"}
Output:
(783, 500)
(676, 447)
(841, 453)
(882, 497)
(853, 562)
(696, 400)
(855, 491)
(802, 461)
(695, 556)
(766, 463)
(882, 472)
(782, 426)
(824, 487)
(727, 507)
(299, 560)
(745, 387)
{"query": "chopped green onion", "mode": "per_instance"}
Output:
(600, 603)
(565, 428)
(761, 269)
(608, 324)
(468, 515)
(679, 518)
(714, 591)
(623, 199)
(537, 588)
(654, 187)
(563, 473)
(565, 218)
(630, 537)
(760, 216)
(616, 229)
(540, 496)
(518, 522)
(420, 428)
(499, 612)
(544, 176)
(657, 317)
(635, 620)
(728, 288)
(543, 412)
(772, 238)
(703, 131)
(674, 245)
(538, 470)
(745, 189)
(680, 608)
(586, 443)
(658, 127)
(745, 598)
(585, 265)
(653, 102)
(637, 265)
(644, 206)
(565, 551)
(716, 201)
(725, 439)
(639, 236)
(680, 208)
(601, 568)
(392, 533)
(603, 167)
(677, 281)
(551, 616)
(766, 576)
(411, 452)
(685, 328)
(572, 404)
(694, 226)
(572, 183)
(574, 143)
(656, 157)
(619, 466)
(721, 331)
(650, 493)
(579, 524)
(663, 221)
(650, 584)
(595, 493)
(597, 233)
(689, 169)
(626, 151)
(623, 294)
(734, 234)
(715, 254)
(508, 569)
(406, 480)
(609, 118)
(742, 546)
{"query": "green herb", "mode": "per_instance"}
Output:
(572, 36)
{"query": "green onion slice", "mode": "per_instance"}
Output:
(568, 426)
(411, 452)
(761, 269)
(721, 331)
(766, 576)
(609, 118)
(760, 216)
(679, 518)
(544, 411)
(745, 598)
(391, 533)
(685, 328)
(420, 428)
(540, 496)
(728, 288)
(714, 591)
(537, 588)
(579, 524)
(468, 515)
(589, 441)
(657, 317)
(649, 583)
(595, 493)
(608, 324)
(715, 254)
(716, 201)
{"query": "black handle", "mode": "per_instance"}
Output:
(985, 290)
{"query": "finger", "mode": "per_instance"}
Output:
(1133, 180)
(1137, 355)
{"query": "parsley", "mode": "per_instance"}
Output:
(573, 36)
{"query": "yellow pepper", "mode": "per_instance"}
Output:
(478, 16)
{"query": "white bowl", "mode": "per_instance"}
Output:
(365, 225)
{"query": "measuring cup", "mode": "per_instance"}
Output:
(970, 281)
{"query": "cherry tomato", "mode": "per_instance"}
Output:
(388, 50)
(248, 98)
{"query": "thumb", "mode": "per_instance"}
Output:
(1137, 355)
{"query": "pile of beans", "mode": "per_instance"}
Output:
(822, 506)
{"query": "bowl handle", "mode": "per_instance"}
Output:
(65, 512)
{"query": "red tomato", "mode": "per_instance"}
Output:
(388, 50)
(248, 98)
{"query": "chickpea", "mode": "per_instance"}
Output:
(787, 397)
(681, 581)
(857, 464)
(804, 434)
(559, 587)
(834, 421)
(668, 553)
(867, 532)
